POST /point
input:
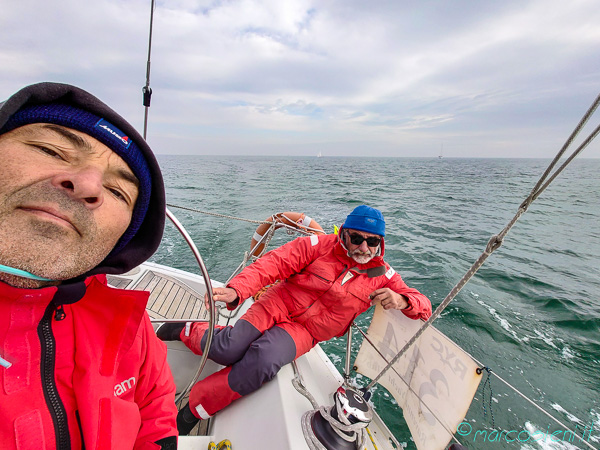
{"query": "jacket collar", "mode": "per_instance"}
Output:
(11, 292)
(63, 294)
(70, 293)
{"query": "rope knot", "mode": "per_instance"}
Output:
(493, 244)
(487, 383)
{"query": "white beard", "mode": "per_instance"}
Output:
(360, 257)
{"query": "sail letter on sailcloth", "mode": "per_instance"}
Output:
(434, 382)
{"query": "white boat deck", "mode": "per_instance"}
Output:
(169, 297)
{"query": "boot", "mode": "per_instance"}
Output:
(170, 331)
(186, 420)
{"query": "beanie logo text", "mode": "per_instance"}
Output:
(113, 131)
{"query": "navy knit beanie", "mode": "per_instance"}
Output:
(367, 219)
(108, 134)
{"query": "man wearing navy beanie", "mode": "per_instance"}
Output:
(81, 196)
(326, 282)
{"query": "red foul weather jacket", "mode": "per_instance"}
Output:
(323, 288)
(92, 370)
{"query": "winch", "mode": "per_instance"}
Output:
(340, 427)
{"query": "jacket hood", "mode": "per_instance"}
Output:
(147, 239)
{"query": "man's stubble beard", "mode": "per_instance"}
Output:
(45, 248)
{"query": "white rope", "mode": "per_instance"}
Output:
(311, 440)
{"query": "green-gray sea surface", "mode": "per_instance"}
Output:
(531, 314)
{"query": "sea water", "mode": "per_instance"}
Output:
(531, 314)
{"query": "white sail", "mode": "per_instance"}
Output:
(441, 376)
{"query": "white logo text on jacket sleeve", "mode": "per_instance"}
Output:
(123, 387)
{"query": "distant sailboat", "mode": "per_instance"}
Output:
(441, 155)
(319, 155)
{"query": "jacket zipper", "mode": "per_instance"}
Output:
(320, 277)
(80, 429)
(60, 314)
(53, 401)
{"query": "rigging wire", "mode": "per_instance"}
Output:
(538, 189)
(496, 241)
(146, 90)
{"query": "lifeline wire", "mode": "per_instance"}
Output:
(208, 213)
(274, 221)
(496, 241)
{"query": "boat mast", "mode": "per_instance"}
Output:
(146, 90)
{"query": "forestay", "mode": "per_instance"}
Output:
(434, 382)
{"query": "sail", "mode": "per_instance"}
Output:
(441, 376)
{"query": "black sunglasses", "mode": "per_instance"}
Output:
(357, 239)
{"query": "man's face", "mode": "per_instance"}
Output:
(361, 253)
(65, 200)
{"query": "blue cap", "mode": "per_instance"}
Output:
(367, 219)
(105, 132)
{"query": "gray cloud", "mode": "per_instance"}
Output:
(347, 77)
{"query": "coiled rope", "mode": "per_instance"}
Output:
(358, 429)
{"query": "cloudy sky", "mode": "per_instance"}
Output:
(485, 78)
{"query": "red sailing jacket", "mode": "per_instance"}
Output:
(91, 370)
(323, 288)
